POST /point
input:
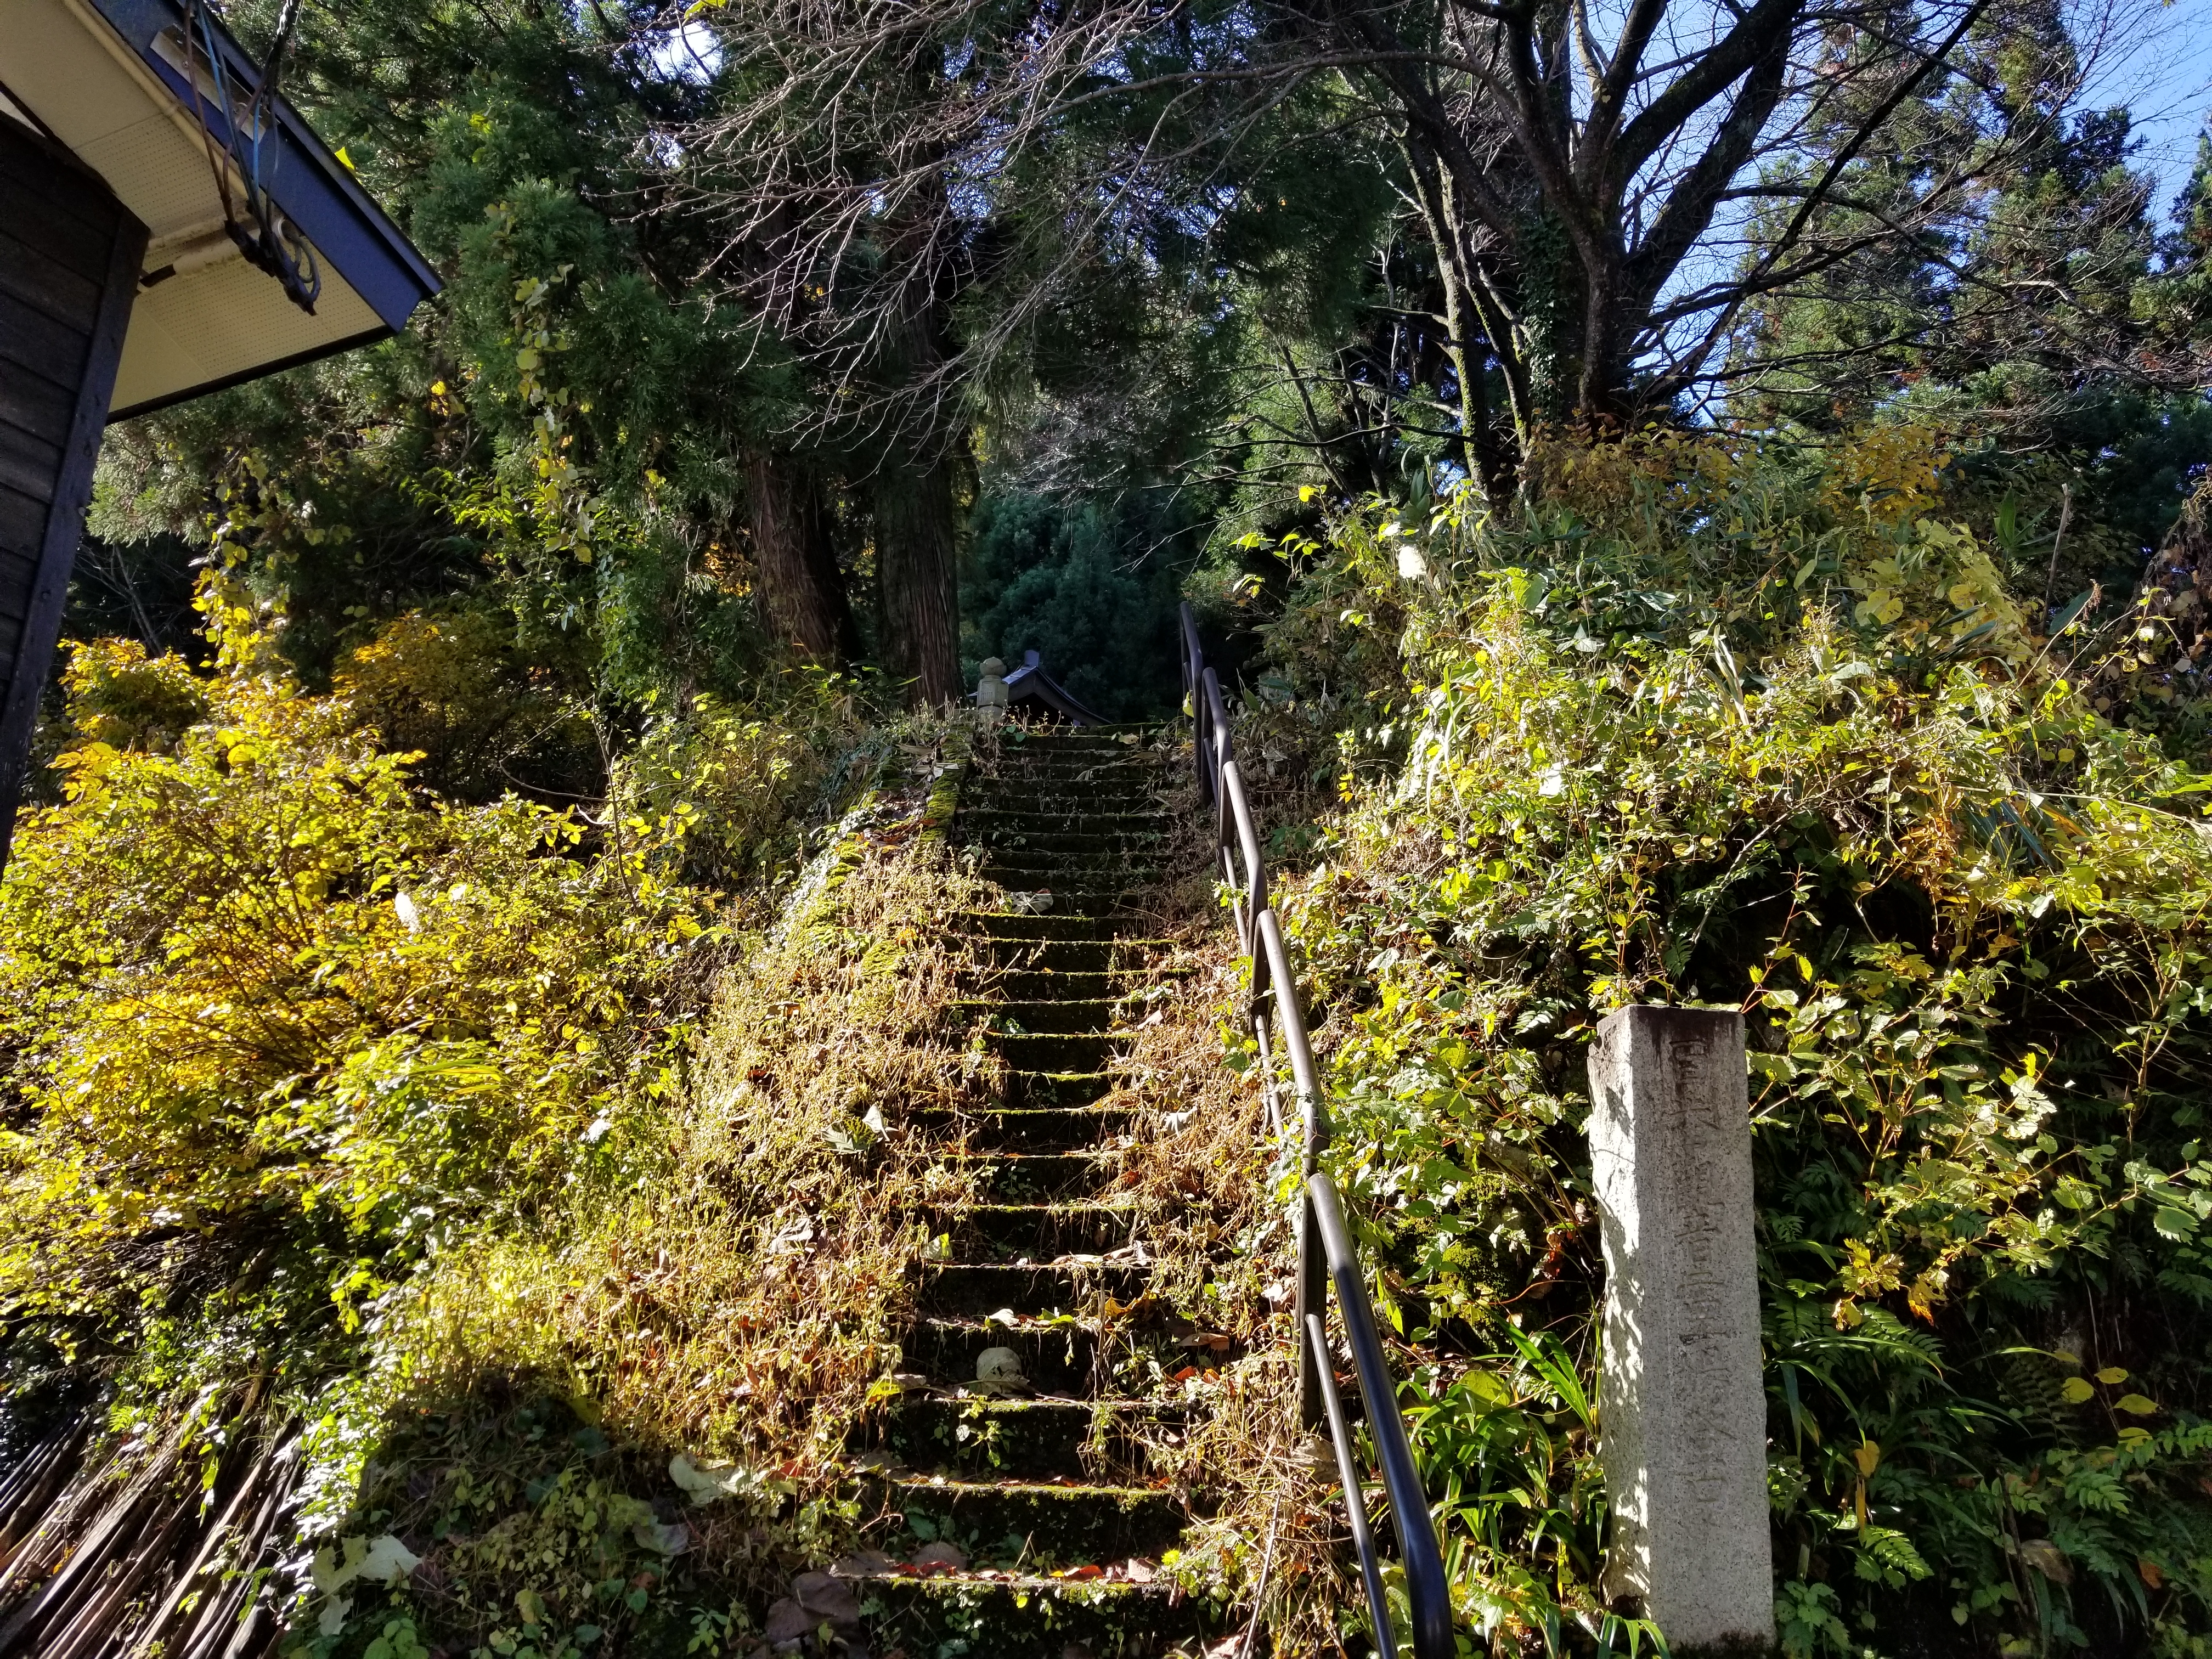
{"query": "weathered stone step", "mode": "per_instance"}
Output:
(1027, 761)
(1022, 927)
(1027, 1090)
(978, 1289)
(1082, 813)
(1104, 739)
(1038, 1232)
(1046, 955)
(1074, 839)
(1075, 892)
(1028, 1177)
(1070, 847)
(1034, 1616)
(1023, 871)
(1106, 787)
(1042, 1128)
(1060, 1015)
(1039, 1523)
(1046, 985)
(1052, 1051)
(1118, 906)
(1032, 1438)
(1064, 833)
(1070, 885)
(1058, 1358)
(1107, 746)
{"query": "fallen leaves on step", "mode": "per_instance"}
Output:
(1137, 1570)
(940, 1556)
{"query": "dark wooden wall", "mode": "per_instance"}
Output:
(68, 270)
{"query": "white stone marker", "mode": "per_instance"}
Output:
(1682, 1414)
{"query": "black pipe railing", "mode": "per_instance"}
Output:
(1326, 1253)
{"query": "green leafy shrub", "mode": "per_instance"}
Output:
(449, 687)
(280, 1025)
(1703, 721)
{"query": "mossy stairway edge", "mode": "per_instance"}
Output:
(1031, 1518)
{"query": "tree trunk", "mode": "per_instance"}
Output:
(802, 591)
(915, 520)
(915, 560)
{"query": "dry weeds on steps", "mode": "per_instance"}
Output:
(1210, 1176)
(738, 1308)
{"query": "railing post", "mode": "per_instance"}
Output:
(1355, 1500)
(1427, 1590)
(1324, 1249)
(1313, 1134)
(1218, 720)
(1194, 665)
(1312, 1299)
(1237, 817)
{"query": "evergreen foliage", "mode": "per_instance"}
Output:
(1095, 595)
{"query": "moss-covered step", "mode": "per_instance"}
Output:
(1040, 1232)
(1030, 1177)
(1043, 984)
(1113, 904)
(1090, 956)
(1105, 1440)
(1030, 759)
(976, 1288)
(1058, 816)
(1056, 1016)
(1055, 1358)
(1055, 1127)
(1017, 766)
(1034, 1618)
(1082, 809)
(997, 925)
(1036, 1523)
(1011, 864)
(1070, 843)
(1019, 873)
(1052, 1051)
(1039, 1091)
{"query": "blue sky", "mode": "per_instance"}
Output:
(2162, 67)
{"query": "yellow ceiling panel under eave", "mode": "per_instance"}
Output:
(219, 319)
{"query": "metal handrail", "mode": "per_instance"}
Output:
(1326, 1252)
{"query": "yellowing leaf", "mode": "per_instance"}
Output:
(2113, 1374)
(2077, 1390)
(2135, 1405)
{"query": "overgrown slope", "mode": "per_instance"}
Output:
(1708, 722)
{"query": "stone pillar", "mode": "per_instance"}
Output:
(1682, 1413)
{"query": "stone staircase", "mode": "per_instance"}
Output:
(1033, 1518)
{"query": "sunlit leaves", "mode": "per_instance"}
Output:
(261, 987)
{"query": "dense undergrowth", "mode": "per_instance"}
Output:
(471, 1164)
(1708, 722)
(538, 1170)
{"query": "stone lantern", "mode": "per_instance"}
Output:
(991, 689)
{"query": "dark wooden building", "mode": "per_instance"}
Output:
(167, 227)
